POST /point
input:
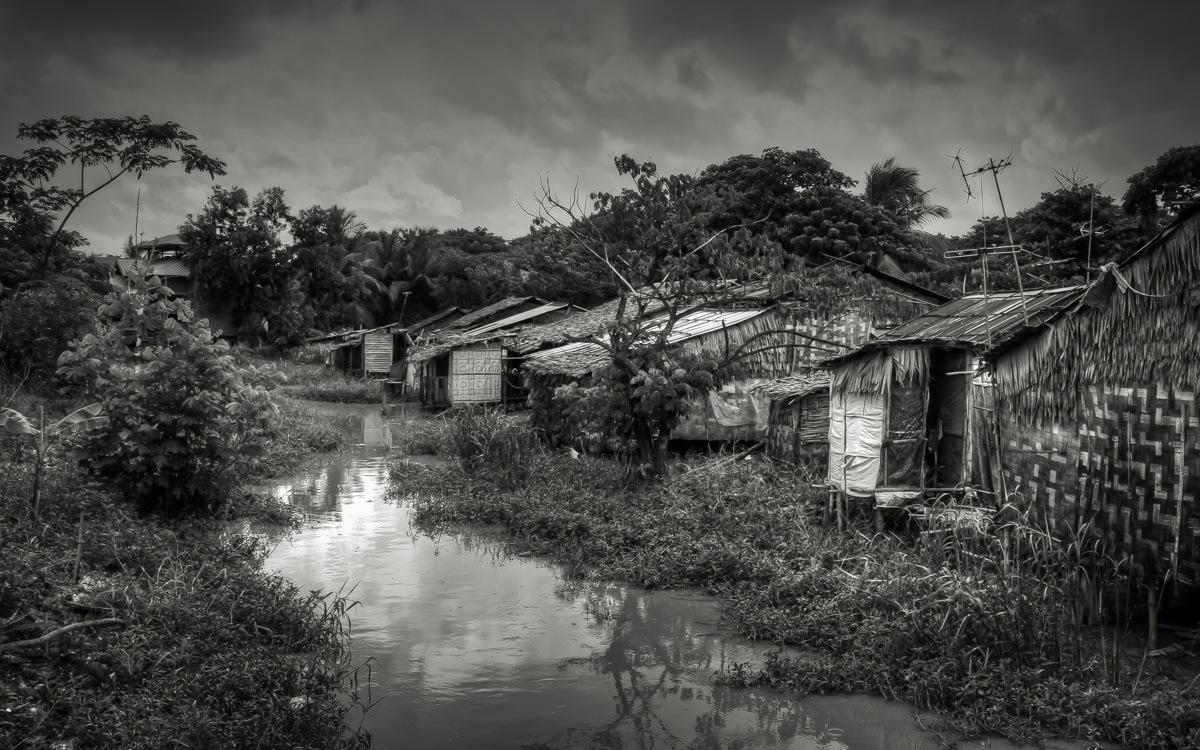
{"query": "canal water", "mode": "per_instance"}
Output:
(471, 647)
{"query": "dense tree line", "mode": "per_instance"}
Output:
(283, 275)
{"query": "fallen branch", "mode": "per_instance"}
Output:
(47, 637)
(726, 461)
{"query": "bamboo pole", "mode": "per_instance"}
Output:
(1181, 457)
(1152, 617)
(841, 499)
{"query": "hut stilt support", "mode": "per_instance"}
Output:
(1152, 617)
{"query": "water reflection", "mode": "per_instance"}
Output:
(475, 648)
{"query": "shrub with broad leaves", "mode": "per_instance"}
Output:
(182, 418)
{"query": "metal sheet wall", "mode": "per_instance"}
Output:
(377, 346)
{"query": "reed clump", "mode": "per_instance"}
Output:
(486, 440)
(423, 437)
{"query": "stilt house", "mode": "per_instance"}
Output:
(1077, 403)
(904, 417)
(378, 352)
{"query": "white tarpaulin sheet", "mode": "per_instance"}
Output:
(752, 411)
(856, 428)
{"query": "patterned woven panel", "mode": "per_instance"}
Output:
(1131, 466)
(850, 330)
(475, 376)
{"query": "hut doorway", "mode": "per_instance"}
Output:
(948, 385)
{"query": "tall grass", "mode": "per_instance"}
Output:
(200, 647)
(485, 440)
(422, 437)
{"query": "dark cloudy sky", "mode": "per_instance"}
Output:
(447, 113)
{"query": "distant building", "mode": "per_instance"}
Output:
(163, 257)
(732, 412)
(475, 363)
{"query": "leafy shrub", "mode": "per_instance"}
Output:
(182, 419)
(39, 321)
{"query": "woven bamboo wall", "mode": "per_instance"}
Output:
(799, 430)
(1131, 464)
(851, 329)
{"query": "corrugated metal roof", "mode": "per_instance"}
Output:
(419, 327)
(498, 329)
(979, 320)
(703, 322)
(794, 386)
(469, 319)
(581, 357)
(513, 320)
(167, 240)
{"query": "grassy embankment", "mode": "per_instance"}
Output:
(934, 619)
(118, 630)
(308, 378)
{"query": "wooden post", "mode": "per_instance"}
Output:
(1152, 617)
(841, 498)
(1180, 460)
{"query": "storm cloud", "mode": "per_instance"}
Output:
(450, 113)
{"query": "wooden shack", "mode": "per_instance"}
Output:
(475, 366)
(908, 410)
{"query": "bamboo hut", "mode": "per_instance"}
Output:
(730, 413)
(798, 419)
(1099, 421)
(909, 411)
(477, 365)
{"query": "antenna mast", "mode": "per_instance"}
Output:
(137, 210)
(1012, 248)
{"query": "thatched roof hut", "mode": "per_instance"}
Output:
(1098, 414)
(798, 421)
(904, 414)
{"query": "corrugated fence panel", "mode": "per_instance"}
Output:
(378, 348)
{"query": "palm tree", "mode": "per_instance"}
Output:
(401, 262)
(896, 189)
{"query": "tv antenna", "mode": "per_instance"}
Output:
(1013, 249)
